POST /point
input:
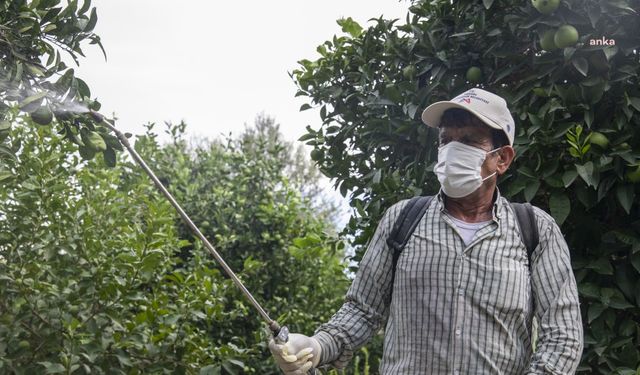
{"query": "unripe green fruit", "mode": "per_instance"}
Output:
(539, 91)
(546, 6)
(566, 36)
(409, 71)
(633, 175)
(622, 146)
(599, 139)
(316, 155)
(24, 344)
(546, 40)
(42, 116)
(474, 74)
(94, 141)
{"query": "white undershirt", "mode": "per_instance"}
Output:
(468, 230)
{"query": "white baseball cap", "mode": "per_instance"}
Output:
(488, 107)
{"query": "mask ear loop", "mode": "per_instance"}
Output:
(494, 150)
(494, 173)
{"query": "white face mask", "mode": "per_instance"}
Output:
(458, 168)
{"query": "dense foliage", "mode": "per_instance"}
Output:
(577, 112)
(97, 276)
(34, 35)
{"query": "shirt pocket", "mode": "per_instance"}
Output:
(504, 282)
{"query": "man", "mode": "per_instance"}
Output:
(465, 290)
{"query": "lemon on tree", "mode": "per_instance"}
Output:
(539, 91)
(566, 36)
(316, 154)
(622, 146)
(474, 74)
(546, 6)
(409, 71)
(633, 175)
(599, 139)
(546, 40)
(94, 141)
(42, 115)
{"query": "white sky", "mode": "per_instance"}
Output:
(214, 64)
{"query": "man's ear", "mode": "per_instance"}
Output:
(505, 158)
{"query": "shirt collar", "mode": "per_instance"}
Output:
(498, 204)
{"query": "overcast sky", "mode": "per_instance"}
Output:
(214, 64)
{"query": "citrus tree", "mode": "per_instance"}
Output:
(569, 72)
(34, 36)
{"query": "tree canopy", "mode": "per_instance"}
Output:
(34, 35)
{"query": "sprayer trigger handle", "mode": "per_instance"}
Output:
(283, 335)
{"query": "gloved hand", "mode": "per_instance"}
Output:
(300, 354)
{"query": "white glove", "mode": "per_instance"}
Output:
(300, 354)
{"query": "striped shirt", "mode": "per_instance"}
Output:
(462, 309)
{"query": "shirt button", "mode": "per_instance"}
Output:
(460, 291)
(458, 332)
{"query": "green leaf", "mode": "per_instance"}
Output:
(568, 177)
(211, 370)
(617, 300)
(86, 153)
(586, 173)
(83, 89)
(635, 103)
(350, 26)
(52, 368)
(5, 175)
(589, 290)
(581, 65)
(85, 7)
(594, 311)
(635, 261)
(307, 136)
(531, 190)
(601, 266)
(560, 206)
(93, 19)
(625, 195)
(32, 99)
(487, 3)
(110, 157)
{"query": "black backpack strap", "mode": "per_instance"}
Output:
(528, 226)
(404, 226)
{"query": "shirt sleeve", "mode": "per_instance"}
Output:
(366, 303)
(557, 308)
